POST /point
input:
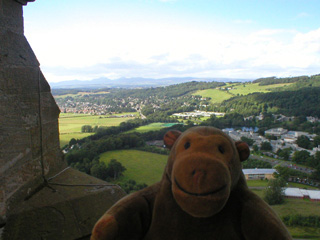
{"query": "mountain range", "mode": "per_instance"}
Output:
(137, 82)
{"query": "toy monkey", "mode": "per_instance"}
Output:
(202, 195)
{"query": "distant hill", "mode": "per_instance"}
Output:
(299, 82)
(301, 102)
(294, 96)
(135, 82)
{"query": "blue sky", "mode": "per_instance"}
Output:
(81, 39)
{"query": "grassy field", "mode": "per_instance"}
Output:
(245, 89)
(70, 124)
(66, 137)
(143, 167)
(264, 183)
(216, 95)
(153, 127)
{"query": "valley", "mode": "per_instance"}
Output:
(127, 125)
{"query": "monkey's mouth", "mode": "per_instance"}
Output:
(199, 194)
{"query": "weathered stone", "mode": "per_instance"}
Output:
(16, 51)
(11, 16)
(62, 212)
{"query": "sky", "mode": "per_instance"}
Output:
(247, 39)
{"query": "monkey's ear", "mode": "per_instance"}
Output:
(170, 138)
(243, 150)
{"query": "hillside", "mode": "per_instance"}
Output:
(302, 102)
(296, 96)
(299, 82)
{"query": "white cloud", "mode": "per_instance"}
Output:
(142, 49)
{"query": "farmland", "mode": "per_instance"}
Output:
(143, 167)
(70, 124)
(218, 95)
(152, 127)
(245, 89)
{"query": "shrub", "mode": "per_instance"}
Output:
(303, 221)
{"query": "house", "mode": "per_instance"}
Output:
(262, 173)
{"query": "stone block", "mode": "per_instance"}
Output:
(11, 16)
(66, 211)
(16, 51)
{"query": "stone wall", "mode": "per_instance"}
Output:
(39, 197)
(29, 135)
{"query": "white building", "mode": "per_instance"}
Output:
(313, 195)
(262, 173)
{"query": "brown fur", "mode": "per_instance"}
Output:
(202, 195)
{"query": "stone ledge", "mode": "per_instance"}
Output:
(65, 211)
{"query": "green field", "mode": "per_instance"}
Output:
(143, 167)
(264, 183)
(218, 96)
(153, 127)
(245, 89)
(79, 94)
(70, 124)
(66, 137)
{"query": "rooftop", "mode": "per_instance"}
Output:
(300, 193)
(259, 171)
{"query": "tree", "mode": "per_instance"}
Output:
(72, 142)
(249, 141)
(301, 156)
(282, 172)
(316, 173)
(255, 148)
(284, 153)
(304, 142)
(115, 168)
(99, 170)
(314, 161)
(266, 146)
(316, 141)
(86, 128)
(255, 163)
(274, 192)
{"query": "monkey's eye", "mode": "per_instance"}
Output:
(221, 149)
(186, 145)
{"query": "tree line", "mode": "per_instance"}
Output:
(302, 102)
